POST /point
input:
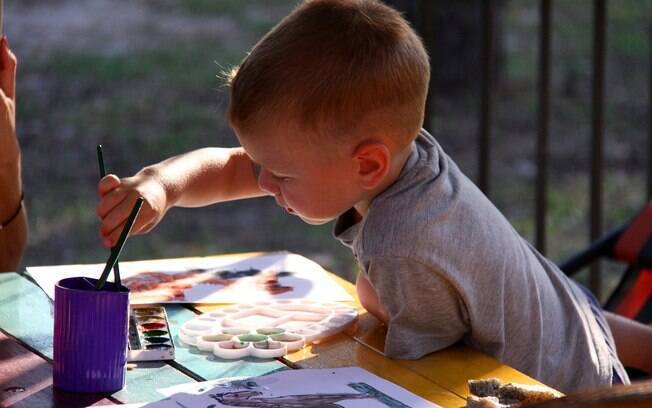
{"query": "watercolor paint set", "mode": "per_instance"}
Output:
(265, 329)
(149, 334)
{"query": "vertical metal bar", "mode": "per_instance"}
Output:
(543, 119)
(485, 98)
(597, 131)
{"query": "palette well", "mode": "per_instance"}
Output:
(265, 329)
(149, 334)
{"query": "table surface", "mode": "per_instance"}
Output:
(26, 327)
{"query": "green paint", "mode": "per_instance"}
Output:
(157, 340)
(154, 333)
(207, 365)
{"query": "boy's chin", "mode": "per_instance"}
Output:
(314, 221)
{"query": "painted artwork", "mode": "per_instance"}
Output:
(223, 279)
(350, 387)
(166, 287)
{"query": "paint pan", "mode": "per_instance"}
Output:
(149, 334)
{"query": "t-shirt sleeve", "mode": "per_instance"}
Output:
(426, 312)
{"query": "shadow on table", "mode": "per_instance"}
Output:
(637, 395)
(26, 380)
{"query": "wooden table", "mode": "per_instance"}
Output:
(26, 358)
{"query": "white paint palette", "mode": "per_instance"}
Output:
(267, 329)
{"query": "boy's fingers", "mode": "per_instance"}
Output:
(8, 64)
(114, 222)
(109, 240)
(109, 202)
(117, 216)
(107, 184)
(112, 238)
(148, 227)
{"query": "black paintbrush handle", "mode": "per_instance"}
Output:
(100, 162)
(115, 251)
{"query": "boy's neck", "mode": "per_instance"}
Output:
(398, 162)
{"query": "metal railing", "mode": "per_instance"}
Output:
(423, 9)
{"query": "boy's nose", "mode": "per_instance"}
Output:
(266, 182)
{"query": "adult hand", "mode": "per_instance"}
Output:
(117, 198)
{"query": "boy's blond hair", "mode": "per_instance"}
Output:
(331, 66)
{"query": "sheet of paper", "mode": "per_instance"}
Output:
(225, 279)
(349, 387)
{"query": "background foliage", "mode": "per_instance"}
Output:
(142, 78)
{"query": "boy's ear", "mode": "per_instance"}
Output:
(373, 162)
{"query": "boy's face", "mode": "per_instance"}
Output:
(304, 178)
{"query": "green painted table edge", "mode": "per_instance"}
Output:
(26, 314)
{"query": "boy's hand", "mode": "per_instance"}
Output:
(117, 198)
(9, 150)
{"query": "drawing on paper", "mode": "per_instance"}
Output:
(255, 399)
(223, 279)
(152, 286)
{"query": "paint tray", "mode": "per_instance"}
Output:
(265, 329)
(149, 334)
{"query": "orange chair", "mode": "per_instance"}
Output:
(631, 244)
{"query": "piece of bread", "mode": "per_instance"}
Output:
(485, 388)
(491, 393)
(484, 402)
(525, 393)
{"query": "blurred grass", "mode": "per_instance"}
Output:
(143, 107)
(257, 19)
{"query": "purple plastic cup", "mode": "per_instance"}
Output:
(90, 336)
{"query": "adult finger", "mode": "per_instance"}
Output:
(7, 115)
(8, 64)
(6, 104)
(148, 227)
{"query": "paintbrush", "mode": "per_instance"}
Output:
(115, 251)
(100, 162)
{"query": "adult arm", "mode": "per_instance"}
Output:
(13, 234)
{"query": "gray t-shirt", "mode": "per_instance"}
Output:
(448, 266)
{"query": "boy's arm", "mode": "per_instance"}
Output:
(633, 342)
(425, 311)
(369, 298)
(193, 179)
(206, 176)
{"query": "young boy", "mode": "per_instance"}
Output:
(328, 108)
